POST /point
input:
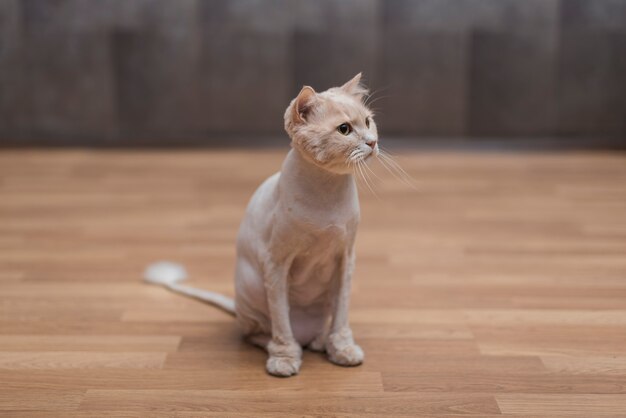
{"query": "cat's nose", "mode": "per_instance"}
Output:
(371, 143)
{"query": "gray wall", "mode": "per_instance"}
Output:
(188, 71)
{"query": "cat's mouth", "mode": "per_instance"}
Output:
(373, 153)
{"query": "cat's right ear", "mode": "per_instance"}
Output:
(303, 104)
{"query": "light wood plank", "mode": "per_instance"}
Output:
(37, 399)
(365, 404)
(109, 343)
(19, 360)
(590, 405)
(607, 366)
(191, 379)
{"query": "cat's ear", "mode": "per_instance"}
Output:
(354, 87)
(303, 104)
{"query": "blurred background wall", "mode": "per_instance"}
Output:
(141, 72)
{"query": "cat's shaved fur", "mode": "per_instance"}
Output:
(295, 248)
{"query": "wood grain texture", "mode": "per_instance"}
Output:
(497, 288)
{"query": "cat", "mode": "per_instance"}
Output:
(295, 247)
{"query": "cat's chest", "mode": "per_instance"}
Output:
(321, 237)
(336, 220)
(316, 237)
(316, 231)
(327, 241)
(316, 263)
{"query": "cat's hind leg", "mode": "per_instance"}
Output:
(260, 340)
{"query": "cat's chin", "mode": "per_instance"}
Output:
(334, 167)
(342, 168)
(339, 169)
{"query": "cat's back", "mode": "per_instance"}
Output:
(254, 228)
(265, 194)
(262, 203)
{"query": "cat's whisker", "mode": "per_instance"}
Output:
(351, 161)
(395, 164)
(361, 171)
(359, 178)
(352, 156)
(365, 173)
(352, 166)
(360, 164)
(396, 172)
(388, 168)
(355, 173)
(371, 95)
(392, 170)
(373, 172)
(371, 181)
(401, 173)
(387, 153)
(370, 104)
(357, 170)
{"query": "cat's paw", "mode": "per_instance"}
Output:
(350, 355)
(283, 366)
(342, 350)
(284, 360)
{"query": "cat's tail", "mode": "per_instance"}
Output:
(170, 275)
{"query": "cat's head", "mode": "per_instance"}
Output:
(333, 128)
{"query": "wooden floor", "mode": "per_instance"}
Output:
(498, 287)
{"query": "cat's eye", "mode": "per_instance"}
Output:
(367, 122)
(344, 129)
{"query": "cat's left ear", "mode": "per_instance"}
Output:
(303, 104)
(355, 88)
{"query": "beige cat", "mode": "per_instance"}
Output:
(295, 248)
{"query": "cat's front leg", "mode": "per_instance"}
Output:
(340, 344)
(285, 354)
